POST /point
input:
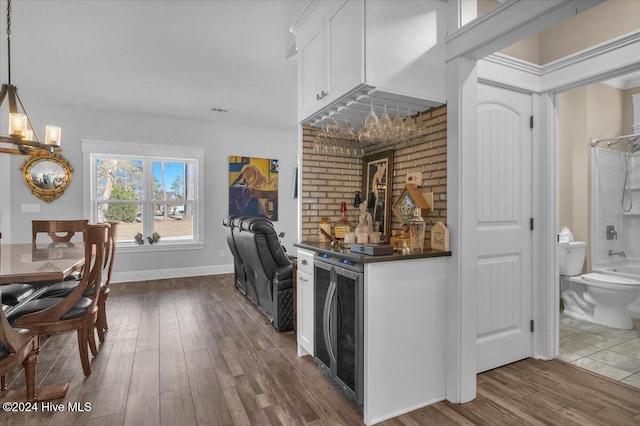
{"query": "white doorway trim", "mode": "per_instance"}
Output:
(462, 96)
(607, 60)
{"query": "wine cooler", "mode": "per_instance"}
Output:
(338, 311)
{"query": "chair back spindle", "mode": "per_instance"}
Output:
(59, 231)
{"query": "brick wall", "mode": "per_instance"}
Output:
(328, 179)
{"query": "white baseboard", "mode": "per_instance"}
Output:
(158, 274)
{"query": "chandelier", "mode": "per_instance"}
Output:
(22, 136)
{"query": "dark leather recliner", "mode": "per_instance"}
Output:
(268, 270)
(232, 223)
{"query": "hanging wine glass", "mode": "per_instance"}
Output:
(332, 128)
(317, 143)
(384, 124)
(347, 132)
(363, 135)
(409, 125)
(397, 125)
(371, 121)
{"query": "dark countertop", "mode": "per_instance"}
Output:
(363, 258)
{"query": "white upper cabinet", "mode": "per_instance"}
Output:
(331, 55)
(311, 81)
(345, 41)
(350, 47)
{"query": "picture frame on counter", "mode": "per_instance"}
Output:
(377, 173)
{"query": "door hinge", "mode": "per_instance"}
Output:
(531, 326)
(531, 224)
(531, 122)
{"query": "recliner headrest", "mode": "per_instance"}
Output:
(228, 221)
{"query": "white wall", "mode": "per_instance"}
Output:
(219, 141)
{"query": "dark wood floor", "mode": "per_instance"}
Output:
(194, 351)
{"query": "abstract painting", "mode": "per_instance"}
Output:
(253, 187)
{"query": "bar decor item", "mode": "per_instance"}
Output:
(440, 237)
(324, 225)
(372, 249)
(416, 231)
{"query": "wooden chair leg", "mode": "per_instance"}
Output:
(103, 312)
(84, 353)
(100, 331)
(102, 325)
(30, 364)
(91, 337)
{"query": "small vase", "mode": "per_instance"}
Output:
(417, 229)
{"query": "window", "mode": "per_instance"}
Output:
(151, 191)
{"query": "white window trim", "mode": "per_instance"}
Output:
(91, 148)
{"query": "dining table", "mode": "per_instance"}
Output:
(27, 263)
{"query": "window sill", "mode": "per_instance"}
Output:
(134, 248)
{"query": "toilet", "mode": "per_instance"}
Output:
(595, 297)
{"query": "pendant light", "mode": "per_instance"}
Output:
(23, 138)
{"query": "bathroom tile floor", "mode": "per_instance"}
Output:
(611, 352)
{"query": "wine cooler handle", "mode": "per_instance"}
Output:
(326, 318)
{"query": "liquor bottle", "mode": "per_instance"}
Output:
(417, 227)
(343, 210)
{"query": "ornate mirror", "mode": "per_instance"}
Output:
(47, 175)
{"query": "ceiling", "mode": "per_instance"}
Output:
(177, 58)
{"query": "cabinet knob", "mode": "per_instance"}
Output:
(303, 262)
(321, 95)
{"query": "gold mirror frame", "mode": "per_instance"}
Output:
(47, 175)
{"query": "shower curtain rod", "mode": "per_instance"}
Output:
(612, 141)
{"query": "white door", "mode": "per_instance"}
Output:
(504, 228)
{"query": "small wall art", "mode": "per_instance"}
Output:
(253, 187)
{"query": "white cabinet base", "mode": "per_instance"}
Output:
(305, 303)
(404, 341)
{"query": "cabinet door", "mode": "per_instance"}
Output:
(349, 337)
(345, 48)
(305, 313)
(311, 75)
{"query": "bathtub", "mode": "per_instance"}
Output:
(624, 269)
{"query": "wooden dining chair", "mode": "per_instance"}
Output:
(78, 310)
(21, 347)
(102, 326)
(59, 232)
(14, 293)
(17, 348)
(62, 289)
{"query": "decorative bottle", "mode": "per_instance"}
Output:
(417, 229)
(364, 225)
